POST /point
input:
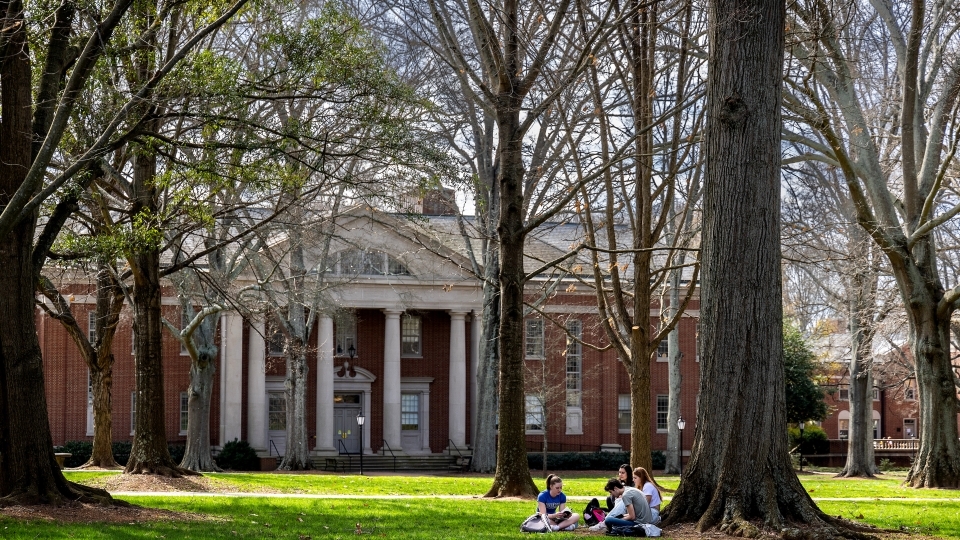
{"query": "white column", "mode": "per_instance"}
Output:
(231, 343)
(256, 388)
(425, 421)
(391, 380)
(365, 398)
(475, 324)
(458, 379)
(325, 385)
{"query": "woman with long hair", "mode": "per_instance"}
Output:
(645, 483)
(626, 478)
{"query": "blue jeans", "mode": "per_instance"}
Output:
(612, 522)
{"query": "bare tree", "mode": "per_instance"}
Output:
(879, 86)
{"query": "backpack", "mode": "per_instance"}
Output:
(627, 530)
(536, 523)
(593, 514)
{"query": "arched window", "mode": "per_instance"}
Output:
(369, 262)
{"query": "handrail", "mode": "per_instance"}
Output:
(387, 446)
(343, 451)
(274, 445)
(455, 447)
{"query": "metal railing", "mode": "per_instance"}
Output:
(455, 447)
(274, 445)
(387, 446)
(342, 450)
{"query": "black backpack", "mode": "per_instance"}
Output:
(627, 530)
(593, 514)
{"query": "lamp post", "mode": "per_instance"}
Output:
(800, 446)
(360, 420)
(681, 424)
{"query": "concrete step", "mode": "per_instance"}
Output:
(351, 463)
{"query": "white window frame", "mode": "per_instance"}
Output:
(909, 394)
(533, 410)
(533, 339)
(184, 412)
(662, 412)
(346, 335)
(574, 364)
(843, 394)
(90, 419)
(663, 350)
(406, 399)
(876, 394)
(133, 412)
(92, 326)
(406, 350)
(913, 424)
(623, 411)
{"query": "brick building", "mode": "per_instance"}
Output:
(401, 348)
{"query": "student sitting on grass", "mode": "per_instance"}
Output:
(634, 503)
(553, 504)
(626, 478)
(644, 480)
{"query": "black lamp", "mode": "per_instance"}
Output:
(360, 420)
(800, 446)
(681, 424)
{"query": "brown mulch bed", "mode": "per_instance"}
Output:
(94, 513)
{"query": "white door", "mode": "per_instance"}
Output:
(410, 423)
(276, 423)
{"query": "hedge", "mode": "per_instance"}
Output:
(81, 451)
(590, 461)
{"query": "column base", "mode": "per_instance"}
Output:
(322, 452)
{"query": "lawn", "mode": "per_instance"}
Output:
(431, 515)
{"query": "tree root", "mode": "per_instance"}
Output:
(67, 494)
(161, 470)
(91, 464)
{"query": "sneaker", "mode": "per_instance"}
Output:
(599, 527)
(570, 527)
(554, 527)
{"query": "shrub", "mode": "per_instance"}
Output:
(886, 465)
(238, 456)
(814, 440)
(589, 461)
(121, 452)
(81, 451)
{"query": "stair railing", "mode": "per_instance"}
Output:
(387, 446)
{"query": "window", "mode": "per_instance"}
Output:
(362, 262)
(876, 394)
(276, 343)
(92, 327)
(133, 412)
(410, 336)
(909, 394)
(574, 363)
(89, 404)
(844, 394)
(346, 334)
(663, 349)
(184, 412)
(663, 405)
(534, 413)
(844, 429)
(623, 413)
(410, 412)
(909, 428)
(277, 412)
(533, 338)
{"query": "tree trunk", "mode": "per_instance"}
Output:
(740, 470)
(101, 380)
(639, 371)
(28, 469)
(149, 454)
(484, 445)
(674, 380)
(512, 478)
(936, 464)
(860, 456)
(197, 456)
(297, 454)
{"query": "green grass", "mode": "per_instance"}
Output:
(433, 517)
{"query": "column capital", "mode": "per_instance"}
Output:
(457, 315)
(392, 313)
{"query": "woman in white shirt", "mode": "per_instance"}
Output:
(645, 483)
